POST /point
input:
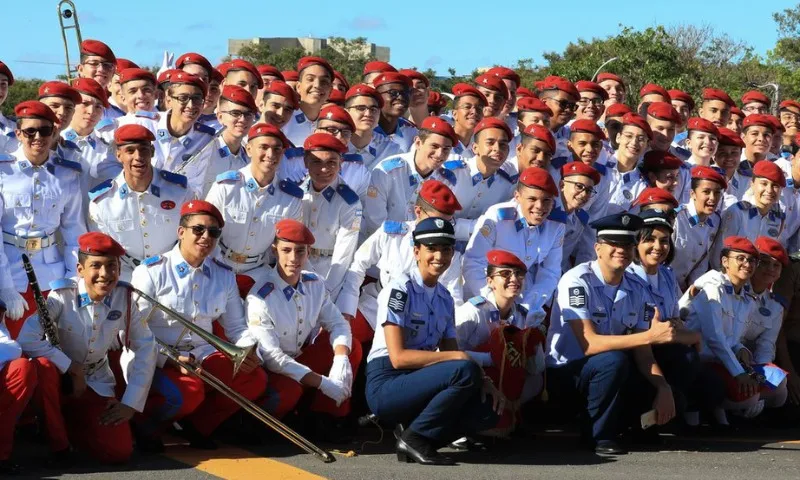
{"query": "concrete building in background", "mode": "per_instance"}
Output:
(312, 45)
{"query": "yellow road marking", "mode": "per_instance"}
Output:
(237, 464)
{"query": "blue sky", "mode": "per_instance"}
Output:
(436, 34)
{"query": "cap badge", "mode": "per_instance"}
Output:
(439, 223)
(191, 204)
(625, 220)
(329, 115)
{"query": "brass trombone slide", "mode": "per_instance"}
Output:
(237, 355)
(68, 19)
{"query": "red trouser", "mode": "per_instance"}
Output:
(204, 407)
(17, 383)
(283, 393)
(731, 387)
(14, 326)
(362, 331)
(77, 420)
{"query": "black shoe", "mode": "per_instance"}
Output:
(60, 460)
(398, 431)
(196, 440)
(7, 467)
(414, 448)
(149, 445)
(609, 447)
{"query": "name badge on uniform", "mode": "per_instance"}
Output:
(764, 311)
(577, 297)
(114, 315)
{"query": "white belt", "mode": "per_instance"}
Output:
(240, 257)
(31, 244)
(321, 252)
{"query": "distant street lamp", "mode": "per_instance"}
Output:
(776, 97)
(601, 67)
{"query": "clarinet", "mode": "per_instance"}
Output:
(48, 326)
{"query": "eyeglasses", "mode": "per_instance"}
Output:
(185, 99)
(394, 93)
(742, 259)
(237, 114)
(42, 131)
(580, 187)
(564, 104)
(507, 274)
(769, 262)
(640, 139)
(594, 101)
(345, 132)
(366, 108)
(199, 230)
(95, 64)
(754, 109)
(789, 116)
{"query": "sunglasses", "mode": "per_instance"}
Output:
(199, 230)
(42, 131)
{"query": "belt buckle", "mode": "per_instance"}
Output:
(237, 257)
(32, 244)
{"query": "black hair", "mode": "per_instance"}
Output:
(646, 232)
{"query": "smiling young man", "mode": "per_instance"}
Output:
(364, 104)
(395, 90)
(716, 107)
(577, 186)
(614, 87)
(114, 90)
(535, 148)
(496, 92)
(729, 154)
(90, 314)
(314, 87)
(789, 115)
(591, 103)
(241, 73)
(626, 180)
(702, 141)
(757, 133)
(61, 98)
(560, 95)
(418, 100)
(277, 104)
(137, 208)
(99, 63)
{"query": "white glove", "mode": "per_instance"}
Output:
(342, 372)
(333, 389)
(15, 304)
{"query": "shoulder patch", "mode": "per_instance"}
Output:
(67, 164)
(294, 152)
(265, 290)
(291, 188)
(146, 114)
(395, 228)
(477, 300)
(175, 178)
(391, 164)
(221, 264)
(154, 260)
(230, 175)
(100, 189)
(454, 164)
(7, 157)
(507, 213)
(309, 277)
(397, 300)
(347, 193)
(577, 297)
(203, 128)
(63, 283)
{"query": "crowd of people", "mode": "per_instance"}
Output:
(436, 261)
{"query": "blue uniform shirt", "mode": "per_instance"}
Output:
(663, 287)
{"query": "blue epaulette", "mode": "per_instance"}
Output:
(70, 145)
(685, 165)
(152, 260)
(460, 246)
(522, 309)
(294, 152)
(509, 178)
(391, 164)
(558, 215)
(353, 157)
(781, 299)
(146, 114)
(309, 277)
(582, 215)
(454, 164)
(7, 157)
(67, 164)
(219, 263)
(265, 290)
(63, 283)
(229, 176)
(600, 168)
(175, 178)
(104, 123)
(347, 193)
(507, 213)
(100, 189)
(407, 122)
(743, 205)
(681, 136)
(394, 228)
(291, 188)
(680, 208)
(477, 300)
(203, 128)
(448, 175)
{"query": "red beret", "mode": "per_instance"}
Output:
(656, 160)
(618, 110)
(267, 130)
(758, 119)
(194, 58)
(717, 94)
(216, 76)
(737, 111)
(290, 76)
(439, 126)
(59, 89)
(770, 171)
(336, 97)
(493, 122)
(376, 66)
(580, 168)
(587, 126)
(587, 86)
(777, 123)
(123, 63)
(789, 104)
(183, 78)
(538, 178)
(306, 62)
(609, 76)
(702, 125)
(663, 111)
(523, 92)
(364, 90)
(541, 133)
(505, 73)
(740, 244)
(503, 258)
(558, 83)
(730, 138)
(34, 109)
(492, 83)
(464, 90)
(439, 196)
(293, 231)
(90, 87)
(338, 76)
(98, 49)
(202, 207)
(435, 99)
(773, 248)
(681, 96)
(4, 70)
(701, 172)
(653, 89)
(637, 121)
(533, 104)
(132, 133)
(324, 141)
(756, 96)
(270, 71)
(240, 96)
(336, 113)
(651, 195)
(277, 87)
(237, 65)
(166, 75)
(391, 77)
(415, 75)
(131, 74)
(96, 243)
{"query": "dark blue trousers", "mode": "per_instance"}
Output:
(441, 402)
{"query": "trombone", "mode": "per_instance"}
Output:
(237, 356)
(68, 19)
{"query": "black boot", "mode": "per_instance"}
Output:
(196, 440)
(413, 447)
(9, 468)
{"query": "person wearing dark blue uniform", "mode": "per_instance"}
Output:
(416, 376)
(601, 313)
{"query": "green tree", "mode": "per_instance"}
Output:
(261, 54)
(23, 89)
